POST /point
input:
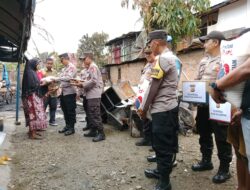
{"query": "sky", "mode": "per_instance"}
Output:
(68, 20)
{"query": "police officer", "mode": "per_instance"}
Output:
(82, 93)
(93, 88)
(208, 70)
(146, 76)
(162, 97)
(68, 96)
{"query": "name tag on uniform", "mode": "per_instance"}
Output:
(219, 112)
(194, 91)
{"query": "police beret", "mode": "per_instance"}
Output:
(85, 55)
(157, 35)
(63, 55)
(215, 35)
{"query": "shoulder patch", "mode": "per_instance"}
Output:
(156, 71)
(92, 69)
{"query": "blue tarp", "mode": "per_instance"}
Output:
(5, 76)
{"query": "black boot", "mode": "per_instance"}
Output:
(204, 164)
(91, 133)
(66, 128)
(70, 131)
(164, 183)
(99, 137)
(86, 128)
(151, 158)
(222, 175)
(152, 173)
(175, 163)
(87, 125)
(143, 142)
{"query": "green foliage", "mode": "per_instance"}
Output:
(11, 66)
(96, 44)
(178, 17)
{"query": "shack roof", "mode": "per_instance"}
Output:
(124, 36)
(16, 18)
(218, 6)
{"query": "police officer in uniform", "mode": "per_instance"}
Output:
(83, 76)
(161, 96)
(208, 70)
(81, 92)
(146, 76)
(68, 96)
(93, 88)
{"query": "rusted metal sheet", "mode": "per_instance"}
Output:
(111, 103)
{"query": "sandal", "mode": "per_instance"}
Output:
(38, 134)
(41, 130)
(2, 162)
(34, 135)
(5, 158)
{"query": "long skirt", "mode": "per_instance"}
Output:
(34, 112)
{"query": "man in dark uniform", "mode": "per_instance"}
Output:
(208, 71)
(146, 78)
(161, 96)
(93, 87)
(68, 96)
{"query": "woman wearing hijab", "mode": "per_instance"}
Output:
(32, 100)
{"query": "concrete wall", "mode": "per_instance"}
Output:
(233, 16)
(190, 64)
(129, 72)
(132, 72)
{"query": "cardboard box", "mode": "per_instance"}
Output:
(195, 91)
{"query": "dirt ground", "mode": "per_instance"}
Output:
(76, 163)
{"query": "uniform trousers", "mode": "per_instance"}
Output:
(94, 114)
(205, 128)
(165, 139)
(147, 129)
(85, 107)
(68, 105)
(52, 103)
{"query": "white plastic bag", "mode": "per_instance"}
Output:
(233, 54)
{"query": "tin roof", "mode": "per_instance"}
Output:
(15, 28)
(124, 36)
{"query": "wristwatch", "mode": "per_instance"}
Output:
(214, 86)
